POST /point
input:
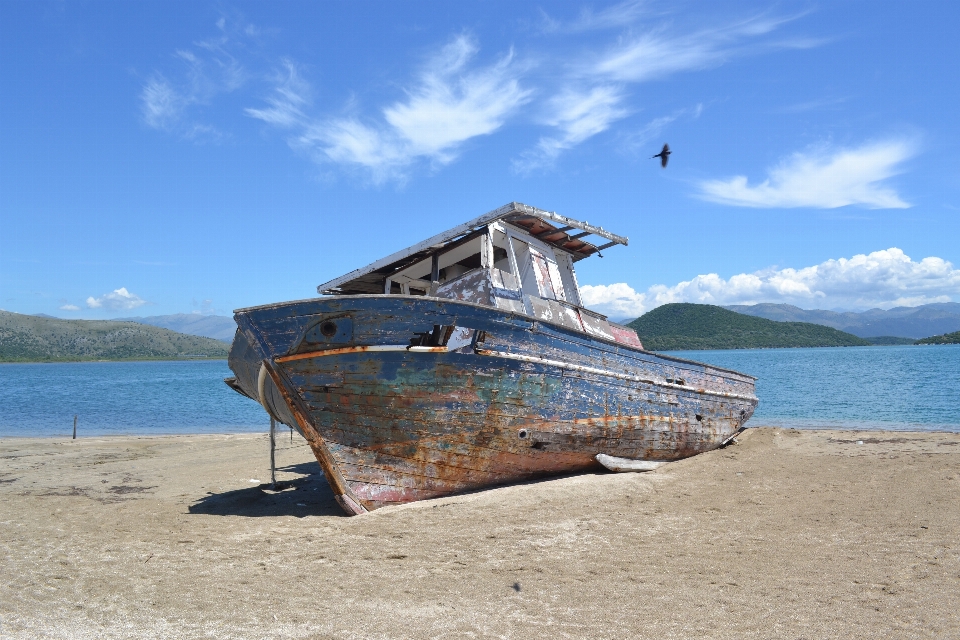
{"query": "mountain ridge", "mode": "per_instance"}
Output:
(26, 338)
(907, 322)
(683, 326)
(217, 327)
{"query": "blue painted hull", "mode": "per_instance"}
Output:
(393, 416)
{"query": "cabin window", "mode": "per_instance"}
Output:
(517, 262)
(539, 272)
(454, 263)
(568, 277)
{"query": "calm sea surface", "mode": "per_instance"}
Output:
(905, 387)
(902, 387)
(123, 397)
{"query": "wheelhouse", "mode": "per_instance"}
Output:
(517, 258)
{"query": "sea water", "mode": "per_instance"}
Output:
(901, 387)
(897, 387)
(123, 398)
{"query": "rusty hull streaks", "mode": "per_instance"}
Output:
(390, 423)
(330, 470)
(612, 374)
(360, 349)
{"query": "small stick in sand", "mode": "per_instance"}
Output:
(74, 427)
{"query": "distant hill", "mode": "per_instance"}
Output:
(33, 339)
(886, 341)
(950, 338)
(680, 326)
(907, 322)
(194, 324)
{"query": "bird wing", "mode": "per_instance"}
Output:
(663, 160)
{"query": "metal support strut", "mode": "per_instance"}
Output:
(273, 449)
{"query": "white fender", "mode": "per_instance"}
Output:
(621, 465)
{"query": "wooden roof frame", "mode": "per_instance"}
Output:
(369, 279)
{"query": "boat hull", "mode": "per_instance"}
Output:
(394, 415)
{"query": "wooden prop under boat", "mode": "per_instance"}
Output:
(468, 361)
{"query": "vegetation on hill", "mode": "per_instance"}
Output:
(886, 341)
(947, 338)
(680, 326)
(34, 339)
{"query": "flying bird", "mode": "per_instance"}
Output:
(664, 156)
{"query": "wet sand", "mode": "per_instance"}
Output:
(786, 534)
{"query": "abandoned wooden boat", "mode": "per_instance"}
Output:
(468, 361)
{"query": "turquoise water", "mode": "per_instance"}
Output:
(901, 387)
(904, 387)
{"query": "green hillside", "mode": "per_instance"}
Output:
(887, 341)
(680, 326)
(947, 338)
(36, 339)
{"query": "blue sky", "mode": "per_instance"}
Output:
(199, 157)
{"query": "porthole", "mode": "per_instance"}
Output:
(329, 328)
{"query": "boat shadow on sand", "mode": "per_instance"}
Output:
(308, 495)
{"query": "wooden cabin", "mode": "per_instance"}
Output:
(517, 258)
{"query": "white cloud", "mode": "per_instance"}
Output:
(594, 94)
(883, 279)
(656, 54)
(69, 307)
(822, 179)
(578, 116)
(290, 96)
(453, 99)
(160, 103)
(639, 140)
(613, 17)
(450, 103)
(209, 71)
(117, 300)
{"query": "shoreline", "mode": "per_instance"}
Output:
(193, 359)
(665, 353)
(283, 429)
(786, 533)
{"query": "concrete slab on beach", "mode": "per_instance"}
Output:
(812, 534)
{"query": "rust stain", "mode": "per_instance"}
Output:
(359, 349)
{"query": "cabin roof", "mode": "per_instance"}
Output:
(547, 226)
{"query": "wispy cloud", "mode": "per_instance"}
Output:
(206, 307)
(160, 103)
(291, 94)
(595, 92)
(613, 17)
(638, 140)
(203, 73)
(69, 307)
(658, 53)
(454, 97)
(451, 102)
(823, 179)
(117, 300)
(577, 116)
(884, 279)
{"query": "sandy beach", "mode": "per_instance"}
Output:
(786, 534)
